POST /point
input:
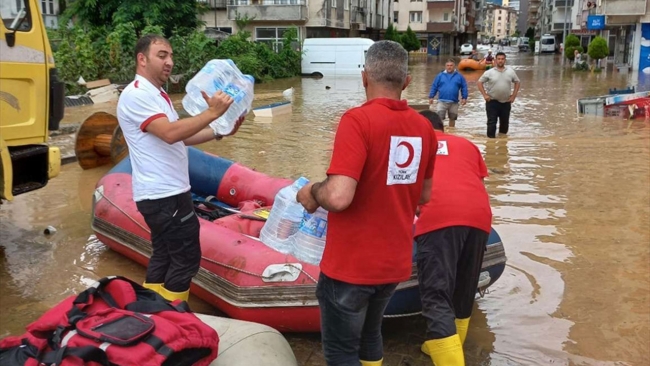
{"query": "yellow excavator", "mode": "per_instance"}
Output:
(31, 100)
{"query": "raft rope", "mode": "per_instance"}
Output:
(202, 257)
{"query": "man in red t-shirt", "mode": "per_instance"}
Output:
(451, 234)
(381, 167)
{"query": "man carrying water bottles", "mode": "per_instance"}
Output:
(381, 169)
(157, 141)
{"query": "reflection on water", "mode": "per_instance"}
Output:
(570, 196)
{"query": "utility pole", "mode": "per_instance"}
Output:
(566, 13)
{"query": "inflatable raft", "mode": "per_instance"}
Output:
(469, 64)
(239, 274)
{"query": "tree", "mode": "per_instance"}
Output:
(391, 34)
(598, 49)
(530, 33)
(571, 44)
(182, 15)
(410, 41)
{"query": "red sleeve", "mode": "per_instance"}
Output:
(350, 148)
(433, 149)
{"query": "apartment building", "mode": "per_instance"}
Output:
(441, 25)
(313, 18)
(623, 22)
(500, 22)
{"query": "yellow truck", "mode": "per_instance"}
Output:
(31, 100)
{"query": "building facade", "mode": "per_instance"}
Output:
(500, 22)
(441, 25)
(268, 19)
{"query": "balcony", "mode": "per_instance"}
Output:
(358, 15)
(624, 7)
(441, 4)
(563, 3)
(215, 4)
(268, 10)
(441, 27)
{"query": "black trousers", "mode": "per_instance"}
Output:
(497, 110)
(449, 263)
(175, 232)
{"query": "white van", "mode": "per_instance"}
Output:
(547, 43)
(334, 56)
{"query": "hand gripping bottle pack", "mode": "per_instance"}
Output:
(284, 219)
(225, 76)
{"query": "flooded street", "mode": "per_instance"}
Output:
(570, 197)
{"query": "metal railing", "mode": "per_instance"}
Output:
(265, 2)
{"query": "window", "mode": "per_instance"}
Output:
(499, 24)
(271, 37)
(499, 18)
(415, 16)
(395, 16)
(47, 7)
(445, 17)
(346, 4)
(333, 3)
(10, 15)
(413, 1)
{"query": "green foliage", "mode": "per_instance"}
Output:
(571, 44)
(392, 34)
(107, 52)
(140, 13)
(598, 49)
(410, 41)
(530, 33)
(531, 43)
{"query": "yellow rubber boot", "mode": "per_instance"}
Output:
(372, 363)
(153, 286)
(461, 328)
(446, 351)
(171, 296)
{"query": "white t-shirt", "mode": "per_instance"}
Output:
(159, 169)
(498, 84)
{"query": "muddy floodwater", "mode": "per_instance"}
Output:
(570, 196)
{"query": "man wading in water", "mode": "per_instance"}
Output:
(498, 98)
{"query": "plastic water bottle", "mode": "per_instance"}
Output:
(284, 219)
(309, 242)
(225, 76)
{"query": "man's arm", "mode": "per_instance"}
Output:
(335, 193)
(513, 96)
(425, 196)
(434, 87)
(183, 129)
(207, 134)
(482, 90)
(463, 87)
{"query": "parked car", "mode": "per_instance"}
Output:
(466, 49)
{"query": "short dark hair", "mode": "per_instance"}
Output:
(143, 44)
(501, 54)
(434, 118)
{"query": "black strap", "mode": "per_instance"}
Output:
(152, 307)
(87, 354)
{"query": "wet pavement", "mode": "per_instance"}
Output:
(570, 196)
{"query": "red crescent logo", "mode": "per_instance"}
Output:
(440, 145)
(409, 160)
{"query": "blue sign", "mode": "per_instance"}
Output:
(434, 43)
(596, 22)
(644, 59)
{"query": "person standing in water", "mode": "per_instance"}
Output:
(496, 87)
(448, 84)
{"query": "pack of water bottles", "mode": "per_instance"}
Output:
(291, 230)
(220, 75)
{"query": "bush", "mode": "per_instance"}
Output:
(410, 40)
(598, 49)
(572, 43)
(107, 52)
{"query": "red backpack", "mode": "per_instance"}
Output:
(114, 322)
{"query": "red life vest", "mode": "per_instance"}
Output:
(114, 322)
